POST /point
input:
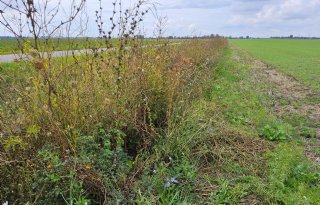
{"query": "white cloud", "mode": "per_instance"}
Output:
(275, 11)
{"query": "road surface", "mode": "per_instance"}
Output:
(12, 57)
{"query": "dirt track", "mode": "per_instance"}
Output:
(287, 88)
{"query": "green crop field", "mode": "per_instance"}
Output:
(8, 46)
(295, 57)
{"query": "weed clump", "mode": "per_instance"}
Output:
(277, 132)
(82, 128)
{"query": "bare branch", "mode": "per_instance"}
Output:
(9, 5)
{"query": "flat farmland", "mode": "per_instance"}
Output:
(295, 57)
(9, 46)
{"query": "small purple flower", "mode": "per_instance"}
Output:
(174, 180)
(169, 181)
(167, 185)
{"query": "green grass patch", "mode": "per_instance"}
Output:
(292, 179)
(245, 104)
(234, 106)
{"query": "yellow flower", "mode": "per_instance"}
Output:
(88, 166)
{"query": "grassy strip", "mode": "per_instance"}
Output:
(289, 177)
(216, 153)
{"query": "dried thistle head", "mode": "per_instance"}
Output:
(30, 2)
(38, 63)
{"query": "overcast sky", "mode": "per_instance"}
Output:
(243, 17)
(259, 18)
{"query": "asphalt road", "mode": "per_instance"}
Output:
(12, 57)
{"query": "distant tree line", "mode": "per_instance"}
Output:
(295, 37)
(203, 37)
(187, 37)
(7, 37)
(140, 37)
(274, 37)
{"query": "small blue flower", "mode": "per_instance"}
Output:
(169, 181)
(174, 180)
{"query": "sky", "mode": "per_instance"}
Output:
(256, 18)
